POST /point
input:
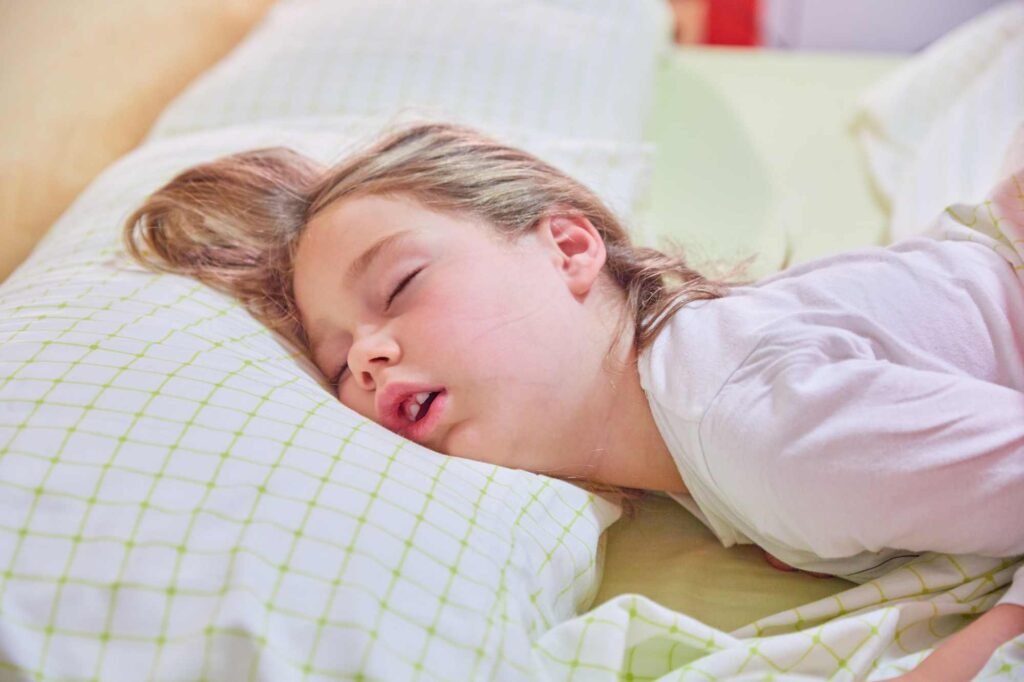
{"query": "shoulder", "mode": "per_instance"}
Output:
(703, 344)
(697, 350)
(820, 312)
(787, 387)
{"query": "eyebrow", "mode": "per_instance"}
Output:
(362, 264)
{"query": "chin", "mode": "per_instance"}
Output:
(471, 445)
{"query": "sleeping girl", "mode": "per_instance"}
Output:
(845, 415)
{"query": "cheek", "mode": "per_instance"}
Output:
(492, 324)
(357, 399)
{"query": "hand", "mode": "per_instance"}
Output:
(959, 657)
(1014, 159)
(775, 563)
(912, 676)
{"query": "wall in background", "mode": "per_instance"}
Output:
(874, 25)
(830, 25)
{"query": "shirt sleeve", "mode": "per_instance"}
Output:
(833, 451)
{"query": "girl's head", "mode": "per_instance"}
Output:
(461, 292)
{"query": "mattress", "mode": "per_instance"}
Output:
(755, 155)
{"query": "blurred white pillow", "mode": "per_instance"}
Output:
(936, 130)
(578, 68)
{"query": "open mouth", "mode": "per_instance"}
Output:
(416, 407)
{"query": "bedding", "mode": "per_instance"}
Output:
(754, 158)
(872, 632)
(935, 133)
(665, 554)
(179, 495)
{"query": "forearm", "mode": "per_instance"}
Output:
(965, 653)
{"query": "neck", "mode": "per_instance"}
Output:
(631, 452)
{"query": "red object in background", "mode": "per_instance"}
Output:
(733, 22)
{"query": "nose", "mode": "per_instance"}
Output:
(371, 352)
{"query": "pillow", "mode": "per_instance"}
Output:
(578, 68)
(82, 83)
(182, 498)
(935, 131)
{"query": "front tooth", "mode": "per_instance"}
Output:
(412, 410)
(422, 397)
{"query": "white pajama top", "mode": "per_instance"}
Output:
(853, 412)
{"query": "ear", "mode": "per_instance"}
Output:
(576, 249)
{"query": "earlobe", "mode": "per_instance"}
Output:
(580, 251)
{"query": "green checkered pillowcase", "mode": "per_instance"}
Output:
(180, 498)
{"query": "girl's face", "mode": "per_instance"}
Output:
(456, 337)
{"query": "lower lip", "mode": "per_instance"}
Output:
(420, 430)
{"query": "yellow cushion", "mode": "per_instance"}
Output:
(82, 82)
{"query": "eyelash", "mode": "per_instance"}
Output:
(337, 377)
(398, 289)
(401, 285)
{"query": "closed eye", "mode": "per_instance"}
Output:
(401, 285)
(337, 377)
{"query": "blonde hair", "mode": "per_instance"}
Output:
(234, 223)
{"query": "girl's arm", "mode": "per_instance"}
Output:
(836, 454)
(960, 657)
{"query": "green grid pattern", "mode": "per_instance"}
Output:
(181, 499)
(873, 631)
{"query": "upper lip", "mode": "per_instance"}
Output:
(389, 403)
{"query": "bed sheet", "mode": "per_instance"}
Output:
(756, 156)
(666, 554)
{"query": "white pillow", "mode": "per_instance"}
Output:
(181, 497)
(578, 68)
(935, 131)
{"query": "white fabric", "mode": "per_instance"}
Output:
(578, 68)
(873, 631)
(934, 131)
(855, 411)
